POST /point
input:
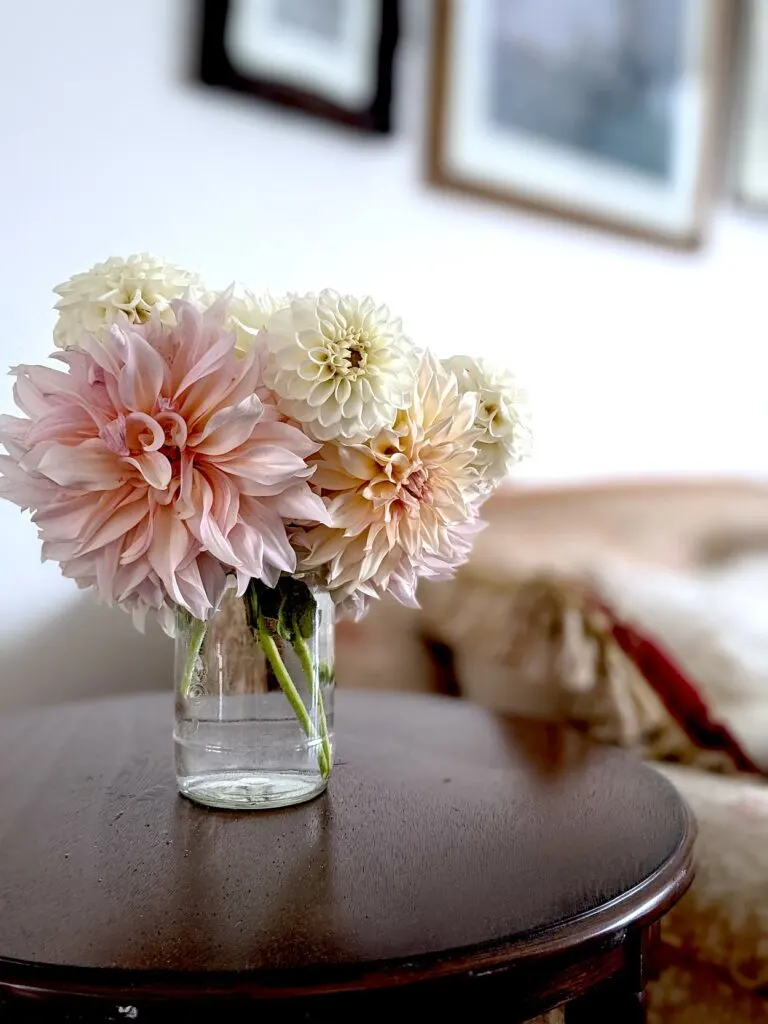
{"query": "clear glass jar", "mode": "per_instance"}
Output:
(254, 698)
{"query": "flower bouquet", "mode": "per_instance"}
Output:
(246, 470)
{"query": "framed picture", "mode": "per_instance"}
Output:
(331, 58)
(600, 110)
(751, 162)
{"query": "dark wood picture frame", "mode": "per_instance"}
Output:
(710, 166)
(216, 69)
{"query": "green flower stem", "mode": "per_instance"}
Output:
(305, 657)
(283, 677)
(196, 637)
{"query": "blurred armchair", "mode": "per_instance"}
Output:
(521, 629)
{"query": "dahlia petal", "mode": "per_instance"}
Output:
(286, 436)
(204, 398)
(292, 357)
(101, 353)
(14, 434)
(229, 428)
(272, 465)
(142, 430)
(141, 379)
(128, 577)
(300, 503)
(24, 488)
(106, 569)
(277, 549)
(357, 462)
(299, 387)
(55, 551)
(248, 547)
(371, 563)
(332, 433)
(46, 381)
(270, 574)
(154, 467)
(138, 541)
(116, 526)
(195, 598)
(208, 364)
(170, 544)
(308, 371)
(174, 427)
(70, 421)
(331, 479)
(324, 545)
(300, 317)
(319, 393)
(89, 466)
(404, 592)
(83, 569)
(213, 540)
(166, 495)
(352, 514)
(226, 498)
(67, 516)
(329, 414)
(184, 505)
(166, 617)
(242, 579)
(28, 398)
(213, 577)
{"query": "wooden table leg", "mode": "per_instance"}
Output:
(623, 1000)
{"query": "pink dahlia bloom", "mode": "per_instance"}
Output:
(153, 470)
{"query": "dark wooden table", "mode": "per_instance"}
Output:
(456, 856)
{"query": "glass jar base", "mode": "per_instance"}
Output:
(251, 790)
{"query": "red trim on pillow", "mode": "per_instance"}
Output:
(678, 694)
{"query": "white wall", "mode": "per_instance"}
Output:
(640, 361)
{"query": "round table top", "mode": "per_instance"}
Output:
(448, 835)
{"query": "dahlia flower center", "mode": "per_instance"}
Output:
(348, 355)
(139, 434)
(133, 303)
(416, 484)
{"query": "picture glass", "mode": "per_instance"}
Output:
(597, 76)
(319, 18)
(324, 47)
(596, 107)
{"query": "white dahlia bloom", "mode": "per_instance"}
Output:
(403, 505)
(119, 289)
(340, 366)
(246, 312)
(502, 417)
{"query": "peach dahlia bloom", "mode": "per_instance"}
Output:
(404, 505)
(153, 470)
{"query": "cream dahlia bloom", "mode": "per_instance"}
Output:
(403, 505)
(123, 291)
(340, 366)
(502, 417)
(246, 314)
